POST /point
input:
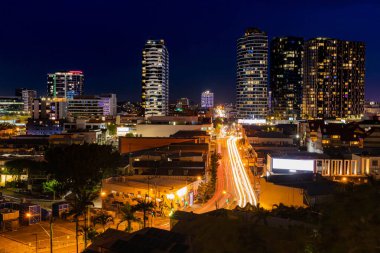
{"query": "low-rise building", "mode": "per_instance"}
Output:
(301, 190)
(369, 163)
(12, 106)
(44, 127)
(318, 135)
(176, 159)
(270, 139)
(133, 144)
(201, 136)
(84, 124)
(46, 108)
(146, 240)
(79, 138)
(24, 144)
(171, 191)
(356, 167)
(371, 109)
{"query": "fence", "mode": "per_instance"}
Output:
(62, 243)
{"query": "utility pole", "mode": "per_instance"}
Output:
(36, 242)
(76, 234)
(51, 233)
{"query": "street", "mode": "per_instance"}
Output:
(233, 185)
(243, 185)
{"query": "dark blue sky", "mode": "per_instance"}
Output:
(104, 38)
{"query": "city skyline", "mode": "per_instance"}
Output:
(27, 55)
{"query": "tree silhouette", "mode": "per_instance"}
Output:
(80, 170)
(145, 206)
(104, 219)
(128, 212)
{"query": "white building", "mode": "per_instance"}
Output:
(252, 75)
(155, 78)
(109, 104)
(27, 96)
(92, 106)
(85, 107)
(207, 99)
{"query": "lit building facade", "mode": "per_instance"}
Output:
(65, 84)
(46, 108)
(27, 96)
(252, 75)
(11, 106)
(207, 99)
(334, 73)
(155, 78)
(286, 77)
(183, 103)
(85, 107)
(92, 106)
(109, 104)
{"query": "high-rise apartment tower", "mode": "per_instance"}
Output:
(334, 74)
(155, 78)
(252, 75)
(286, 76)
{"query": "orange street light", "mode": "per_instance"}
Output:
(103, 194)
(28, 215)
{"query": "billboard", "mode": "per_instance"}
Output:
(293, 165)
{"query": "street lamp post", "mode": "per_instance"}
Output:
(102, 196)
(36, 242)
(51, 233)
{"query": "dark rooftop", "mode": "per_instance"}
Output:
(189, 134)
(270, 135)
(314, 184)
(152, 240)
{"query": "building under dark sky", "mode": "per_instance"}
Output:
(333, 79)
(252, 75)
(286, 76)
(104, 38)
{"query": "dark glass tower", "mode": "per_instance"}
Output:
(286, 76)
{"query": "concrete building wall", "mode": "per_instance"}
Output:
(133, 144)
(271, 141)
(271, 194)
(150, 130)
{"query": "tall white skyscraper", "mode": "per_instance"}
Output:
(252, 75)
(155, 78)
(207, 99)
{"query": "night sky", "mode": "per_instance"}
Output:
(104, 38)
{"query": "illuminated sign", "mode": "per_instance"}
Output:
(252, 121)
(181, 192)
(122, 131)
(293, 165)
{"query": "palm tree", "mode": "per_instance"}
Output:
(144, 206)
(80, 208)
(90, 232)
(128, 215)
(103, 219)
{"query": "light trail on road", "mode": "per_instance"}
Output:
(239, 187)
(241, 179)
